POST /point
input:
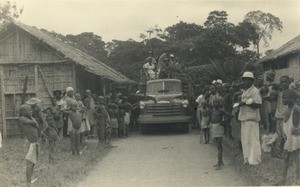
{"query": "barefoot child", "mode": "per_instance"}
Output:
(76, 120)
(217, 129)
(291, 129)
(51, 133)
(57, 115)
(30, 128)
(121, 121)
(205, 120)
(85, 125)
(101, 120)
(128, 108)
(113, 113)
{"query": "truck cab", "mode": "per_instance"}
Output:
(164, 104)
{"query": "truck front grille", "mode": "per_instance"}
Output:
(164, 110)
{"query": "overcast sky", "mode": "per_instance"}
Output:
(127, 19)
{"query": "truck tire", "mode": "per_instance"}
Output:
(186, 128)
(144, 129)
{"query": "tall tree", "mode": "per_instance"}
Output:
(154, 33)
(127, 57)
(9, 12)
(216, 41)
(265, 24)
(90, 43)
(244, 34)
(216, 19)
(183, 31)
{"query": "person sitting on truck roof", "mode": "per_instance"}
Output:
(165, 70)
(162, 61)
(149, 68)
(152, 57)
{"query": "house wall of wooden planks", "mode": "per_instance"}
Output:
(25, 59)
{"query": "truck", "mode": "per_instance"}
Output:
(164, 104)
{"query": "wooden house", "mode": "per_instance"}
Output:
(284, 60)
(41, 63)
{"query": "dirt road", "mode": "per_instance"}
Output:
(162, 159)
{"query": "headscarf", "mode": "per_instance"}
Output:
(69, 89)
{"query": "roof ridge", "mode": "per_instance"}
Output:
(289, 47)
(74, 54)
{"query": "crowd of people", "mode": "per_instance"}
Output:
(75, 118)
(249, 110)
(246, 110)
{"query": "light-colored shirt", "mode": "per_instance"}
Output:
(150, 69)
(251, 95)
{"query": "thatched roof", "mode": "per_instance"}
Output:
(88, 62)
(291, 47)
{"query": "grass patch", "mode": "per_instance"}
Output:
(68, 169)
(267, 173)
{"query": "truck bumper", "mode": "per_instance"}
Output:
(147, 119)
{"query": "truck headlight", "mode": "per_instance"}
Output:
(142, 105)
(185, 103)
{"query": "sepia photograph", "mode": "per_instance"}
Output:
(149, 93)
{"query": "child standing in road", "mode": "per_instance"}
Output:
(235, 123)
(113, 113)
(217, 129)
(128, 108)
(85, 126)
(121, 120)
(205, 120)
(51, 133)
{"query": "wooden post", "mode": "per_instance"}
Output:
(3, 103)
(74, 76)
(103, 87)
(18, 45)
(44, 80)
(36, 81)
(24, 91)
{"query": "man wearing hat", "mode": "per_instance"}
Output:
(250, 117)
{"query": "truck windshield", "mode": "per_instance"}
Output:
(164, 87)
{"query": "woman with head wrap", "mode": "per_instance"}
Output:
(67, 100)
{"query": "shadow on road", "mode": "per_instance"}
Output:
(164, 130)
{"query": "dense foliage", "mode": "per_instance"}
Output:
(9, 12)
(216, 49)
